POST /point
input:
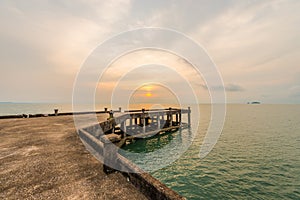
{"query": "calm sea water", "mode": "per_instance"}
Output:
(45, 108)
(256, 157)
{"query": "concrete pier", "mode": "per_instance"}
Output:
(43, 158)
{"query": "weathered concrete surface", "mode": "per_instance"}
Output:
(43, 158)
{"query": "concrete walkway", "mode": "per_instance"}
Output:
(43, 158)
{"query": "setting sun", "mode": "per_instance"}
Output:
(148, 94)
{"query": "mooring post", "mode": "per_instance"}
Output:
(111, 114)
(120, 109)
(56, 112)
(189, 116)
(105, 109)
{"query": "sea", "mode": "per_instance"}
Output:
(257, 155)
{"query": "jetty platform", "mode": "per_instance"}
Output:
(44, 158)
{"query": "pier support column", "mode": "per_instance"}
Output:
(144, 124)
(111, 116)
(135, 121)
(189, 116)
(143, 120)
(123, 128)
(169, 117)
(124, 125)
(163, 119)
(158, 121)
(180, 118)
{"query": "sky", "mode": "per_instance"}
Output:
(255, 46)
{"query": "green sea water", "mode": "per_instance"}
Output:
(257, 156)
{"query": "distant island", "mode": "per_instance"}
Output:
(254, 102)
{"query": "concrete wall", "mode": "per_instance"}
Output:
(148, 185)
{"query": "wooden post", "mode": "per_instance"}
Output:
(176, 118)
(56, 112)
(189, 116)
(105, 109)
(120, 109)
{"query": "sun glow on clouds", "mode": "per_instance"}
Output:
(147, 72)
(148, 89)
(153, 94)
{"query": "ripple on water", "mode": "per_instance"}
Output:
(257, 157)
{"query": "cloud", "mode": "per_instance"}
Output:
(66, 31)
(255, 44)
(228, 87)
(233, 88)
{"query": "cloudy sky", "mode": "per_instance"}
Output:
(254, 44)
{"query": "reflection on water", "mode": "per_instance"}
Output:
(158, 151)
(151, 144)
